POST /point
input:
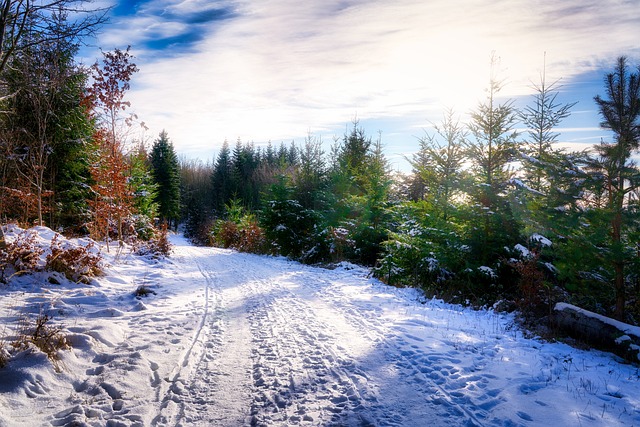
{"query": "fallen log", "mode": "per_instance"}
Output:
(598, 331)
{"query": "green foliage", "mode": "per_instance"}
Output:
(144, 191)
(221, 178)
(468, 224)
(287, 224)
(438, 165)
(239, 231)
(424, 251)
(45, 129)
(166, 174)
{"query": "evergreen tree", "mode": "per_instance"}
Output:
(549, 175)
(144, 191)
(286, 223)
(292, 154)
(270, 155)
(438, 165)
(490, 151)
(618, 175)
(244, 163)
(283, 155)
(46, 128)
(221, 179)
(353, 157)
(310, 179)
(166, 173)
(541, 120)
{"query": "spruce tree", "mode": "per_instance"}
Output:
(492, 147)
(541, 119)
(221, 179)
(310, 179)
(166, 173)
(438, 165)
(45, 126)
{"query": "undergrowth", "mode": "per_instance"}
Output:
(158, 246)
(20, 256)
(143, 291)
(77, 263)
(48, 338)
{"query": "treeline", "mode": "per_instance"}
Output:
(72, 156)
(488, 214)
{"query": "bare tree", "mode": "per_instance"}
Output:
(20, 17)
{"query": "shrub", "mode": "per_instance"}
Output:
(49, 339)
(159, 245)
(245, 236)
(252, 239)
(22, 255)
(143, 291)
(225, 234)
(4, 354)
(77, 263)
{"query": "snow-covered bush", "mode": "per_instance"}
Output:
(77, 263)
(157, 246)
(20, 255)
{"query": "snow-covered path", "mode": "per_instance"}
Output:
(234, 339)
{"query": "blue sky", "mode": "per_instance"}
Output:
(276, 70)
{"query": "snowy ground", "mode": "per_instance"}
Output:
(233, 339)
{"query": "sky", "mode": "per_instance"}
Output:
(279, 70)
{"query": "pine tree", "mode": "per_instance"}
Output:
(619, 175)
(244, 164)
(353, 157)
(166, 173)
(46, 124)
(144, 191)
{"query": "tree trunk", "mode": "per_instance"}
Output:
(619, 285)
(598, 331)
(3, 242)
(40, 206)
(618, 264)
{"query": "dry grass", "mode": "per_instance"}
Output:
(48, 338)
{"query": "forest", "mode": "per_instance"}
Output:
(489, 216)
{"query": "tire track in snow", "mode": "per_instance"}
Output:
(219, 392)
(172, 404)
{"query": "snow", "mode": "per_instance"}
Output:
(234, 339)
(487, 271)
(539, 238)
(524, 252)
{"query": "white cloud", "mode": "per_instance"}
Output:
(281, 67)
